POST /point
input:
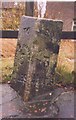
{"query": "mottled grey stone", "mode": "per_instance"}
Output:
(65, 103)
(36, 55)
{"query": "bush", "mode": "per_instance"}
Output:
(11, 16)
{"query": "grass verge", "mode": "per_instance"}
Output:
(64, 76)
(6, 67)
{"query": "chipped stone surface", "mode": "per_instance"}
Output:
(36, 55)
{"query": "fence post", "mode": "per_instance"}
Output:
(29, 8)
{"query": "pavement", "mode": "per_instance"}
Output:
(57, 104)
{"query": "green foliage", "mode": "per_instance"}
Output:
(11, 16)
(6, 78)
(6, 68)
(63, 76)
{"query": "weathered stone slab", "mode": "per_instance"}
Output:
(36, 55)
(60, 104)
(66, 104)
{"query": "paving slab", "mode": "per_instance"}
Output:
(65, 103)
(56, 104)
(11, 104)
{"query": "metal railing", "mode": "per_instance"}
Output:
(29, 11)
(14, 34)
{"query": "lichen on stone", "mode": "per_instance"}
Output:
(36, 56)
